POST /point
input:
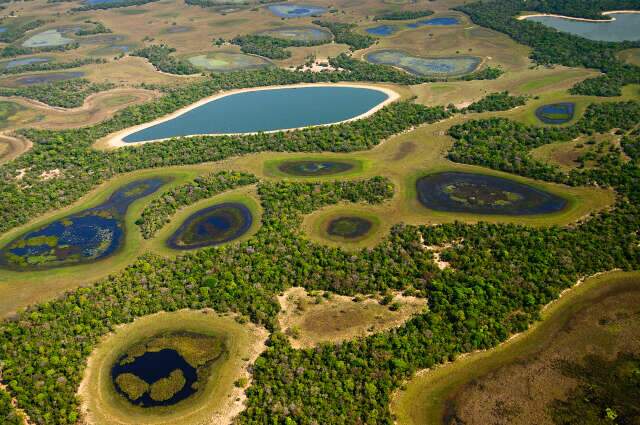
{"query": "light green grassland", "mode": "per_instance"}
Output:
(425, 397)
(215, 399)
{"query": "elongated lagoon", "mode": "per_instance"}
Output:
(621, 27)
(266, 110)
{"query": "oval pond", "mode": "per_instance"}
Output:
(426, 67)
(349, 227)
(266, 110)
(484, 194)
(310, 168)
(296, 10)
(212, 226)
(556, 113)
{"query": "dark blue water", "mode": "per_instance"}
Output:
(26, 61)
(47, 78)
(89, 235)
(349, 227)
(295, 10)
(556, 113)
(434, 22)
(266, 110)
(3, 29)
(381, 30)
(153, 366)
(314, 168)
(483, 194)
(212, 226)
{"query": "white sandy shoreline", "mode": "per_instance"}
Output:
(571, 18)
(115, 140)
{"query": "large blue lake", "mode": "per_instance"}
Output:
(625, 27)
(267, 110)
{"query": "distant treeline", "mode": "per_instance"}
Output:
(402, 15)
(554, 47)
(64, 94)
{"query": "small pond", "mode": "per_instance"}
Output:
(228, 61)
(484, 194)
(349, 227)
(308, 34)
(29, 80)
(166, 369)
(212, 226)
(24, 62)
(288, 10)
(556, 113)
(444, 21)
(267, 110)
(426, 67)
(624, 27)
(83, 237)
(382, 30)
(310, 168)
(47, 38)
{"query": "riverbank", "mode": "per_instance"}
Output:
(116, 140)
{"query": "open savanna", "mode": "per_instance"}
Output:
(311, 319)
(21, 288)
(217, 401)
(515, 381)
(244, 195)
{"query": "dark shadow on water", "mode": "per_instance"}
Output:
(314, 168)
(349, 227)
(87, 236)
(483, 194)
(153, 366)
(212, 226)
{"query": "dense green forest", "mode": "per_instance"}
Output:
(402, 15)
(271, 47)
(553, 47)
(160, 57)
(159, 211)
(65, 94)
(343, 33)
(8, 413)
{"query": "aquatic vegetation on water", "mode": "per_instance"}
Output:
(484, 194)
(83, 237)
(424, 66)
(349, 227)
(314, 168)
(556, 113)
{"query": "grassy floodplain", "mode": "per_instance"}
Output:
(18, 289)
(426, 396)
(217, 401)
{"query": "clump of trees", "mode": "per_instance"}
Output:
(343, 33)
(271, 47)
(98, 28)
(160, 57)
(501, 101)
(110, 5)
(65, 94)
(50, 66)
(14, 32)
(402, 15)
(160, 210)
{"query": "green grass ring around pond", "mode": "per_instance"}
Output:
(361, 225)
(20, 288)
(580, 201)
(312, 167)
(427, 395)
(246, 196)
(228, 61)
(184, 333)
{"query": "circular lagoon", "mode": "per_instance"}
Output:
(556, 113)
(228, 61)
(349, 227)
(425, 67)
(311, 168)
(288, 10)
(212, 226)
(166, 369)
(87, 236)
(256, 110)
(308, 34)
(382, 30)
(484, 194)
(614, 27)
